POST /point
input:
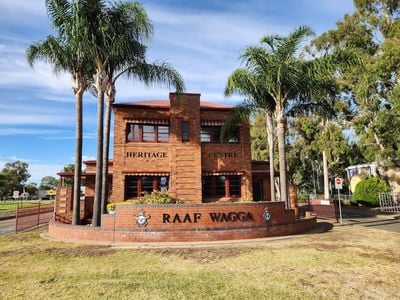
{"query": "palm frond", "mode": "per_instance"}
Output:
(235, 119)
(157, 73)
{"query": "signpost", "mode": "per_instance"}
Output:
(339, 186)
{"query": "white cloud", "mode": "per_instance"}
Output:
(13, 11)
(28, 131)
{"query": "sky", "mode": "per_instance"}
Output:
(201, 39)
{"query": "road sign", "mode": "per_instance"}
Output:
(15, 194)
(338, 183)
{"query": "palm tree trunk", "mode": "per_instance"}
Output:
(78, 160)
(270, 131)
(99, 159)
(280, 127)
(104, 186)
(326, 176)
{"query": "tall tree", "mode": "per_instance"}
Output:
(374, 31)
(68, 52)
(15, 174)
(48, 182)
(288, 77)
(250, 83)
(121, 52)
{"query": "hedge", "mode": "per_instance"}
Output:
(367, 191)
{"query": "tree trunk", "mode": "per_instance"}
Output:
(78, 160)
(96, 221)
(270, 131)
(104, 187)
(280, 126)
(326, 176)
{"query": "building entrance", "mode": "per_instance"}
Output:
(258, 190)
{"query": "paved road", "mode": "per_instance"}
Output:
(369, 218)
(7, 226)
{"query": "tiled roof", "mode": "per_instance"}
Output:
(166, 104)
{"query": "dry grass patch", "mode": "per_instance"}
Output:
(346, 263)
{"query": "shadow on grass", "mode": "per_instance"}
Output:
(321, 227)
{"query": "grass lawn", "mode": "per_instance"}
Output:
(346, 263)
(10, 205)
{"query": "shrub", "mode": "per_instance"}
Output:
(157, 197)
(111, 207)
(367, 191)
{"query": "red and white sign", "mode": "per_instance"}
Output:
(338, 183)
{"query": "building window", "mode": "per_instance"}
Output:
(212, 134)
(205, 134)
(163, 134)
(185, 131)
(221, 186)
(147, 133)
(207, 185)
(131, 186)
(136, 186)
(234, 185)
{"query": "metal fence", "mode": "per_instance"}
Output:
(31, 217)
(389, 202)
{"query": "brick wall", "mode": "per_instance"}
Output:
(122, 228)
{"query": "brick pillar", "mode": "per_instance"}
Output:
(185, 157)
(293, 199)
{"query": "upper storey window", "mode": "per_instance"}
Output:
(212, 134)
(147, 133)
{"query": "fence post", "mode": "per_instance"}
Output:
(16, 218)
(38, 215)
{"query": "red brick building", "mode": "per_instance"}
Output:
(175, 145)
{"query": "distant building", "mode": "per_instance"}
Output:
(356, 173)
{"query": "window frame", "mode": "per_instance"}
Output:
(212, 189)
(215, 131)
(130, 132)
(139, 188)
(185, 131)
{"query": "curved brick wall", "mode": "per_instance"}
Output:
(189, 222)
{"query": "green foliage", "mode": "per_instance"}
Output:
(259, 141)
(13, 176)
(31, 189)
(373, 31)
(48, 182)
(158, 197)
(367, 191)
(111, 207)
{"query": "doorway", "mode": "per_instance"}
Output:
(258, 190)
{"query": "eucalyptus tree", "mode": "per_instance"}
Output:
(289, 77)
(373, 30)
(249, 83)
(121, 53)
(68, 52)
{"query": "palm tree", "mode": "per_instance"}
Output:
(290, 78)
(68, 52)
(250, 85)
(122, 53)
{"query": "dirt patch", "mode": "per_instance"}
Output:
(81, 251)
(202, 255)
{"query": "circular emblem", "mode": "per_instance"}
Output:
(266, 215)
(141, 219)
